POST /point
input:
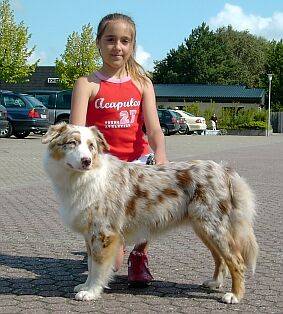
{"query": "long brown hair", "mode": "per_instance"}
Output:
(134, 69)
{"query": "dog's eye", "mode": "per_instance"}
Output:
(91, 146)
(71, 143)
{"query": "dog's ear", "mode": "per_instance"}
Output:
(102, 144)
(53, 132)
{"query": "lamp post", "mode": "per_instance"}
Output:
(269, 98)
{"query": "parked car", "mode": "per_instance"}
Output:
(194, 124)
(57, 102)
(25, 114)
(168, 121)
(3, 121)
(182, 121)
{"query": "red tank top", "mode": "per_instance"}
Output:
(116, 111)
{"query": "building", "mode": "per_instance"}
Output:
(167, 95)
(238, 96)
(44, 77)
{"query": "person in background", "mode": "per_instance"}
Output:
(213, 120)
(118, 99)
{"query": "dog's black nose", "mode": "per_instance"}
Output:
(86, 161)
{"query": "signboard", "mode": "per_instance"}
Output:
(52, 80)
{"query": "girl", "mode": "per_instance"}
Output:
(118, 99)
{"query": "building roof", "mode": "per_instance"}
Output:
(207, 91)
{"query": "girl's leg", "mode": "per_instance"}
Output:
(119, 258)
(138, 271)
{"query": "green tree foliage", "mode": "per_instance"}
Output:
(245, 56)
(225, 56)
(14, 54)
(275, 66)
(81, 57)
(194, 61)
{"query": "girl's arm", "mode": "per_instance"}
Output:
(80, 97)
(153, 130)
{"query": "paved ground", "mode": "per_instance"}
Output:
(41, 261)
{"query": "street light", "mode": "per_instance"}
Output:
(269, 98)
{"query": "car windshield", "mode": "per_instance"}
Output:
(34, 102)
(177, 114)
(43, 98)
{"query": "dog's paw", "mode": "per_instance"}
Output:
(230, 298)
(212, 284)
(80, 287)
(84, 295)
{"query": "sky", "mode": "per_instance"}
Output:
(161, 24)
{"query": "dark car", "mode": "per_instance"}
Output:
(3, 121)
(58, 103)
(182, 122)
(25, 114)
(168, 121)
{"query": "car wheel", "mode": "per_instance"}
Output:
(183, 132)
(189, 132)
(7, 132)
(22, 134)
(165, 130)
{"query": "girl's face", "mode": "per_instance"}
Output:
(116, 44)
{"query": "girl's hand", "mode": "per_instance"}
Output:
(161, 159)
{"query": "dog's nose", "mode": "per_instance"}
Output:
(86, 161)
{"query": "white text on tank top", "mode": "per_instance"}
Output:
(126, 117)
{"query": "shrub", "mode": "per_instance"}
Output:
(232, 118)
(193, 108)
(257, 125)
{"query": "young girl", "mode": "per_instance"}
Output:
(118, 99)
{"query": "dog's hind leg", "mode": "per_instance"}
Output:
(236, 265)
(220, 270)
(228, 250)
(103, 251)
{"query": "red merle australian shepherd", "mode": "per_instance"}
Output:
(111, 202)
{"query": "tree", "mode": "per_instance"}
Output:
(81, 57)
(14, 54)
(274, 65)
(225, 56)
(194, 61)
(206, 56)
(245, 56)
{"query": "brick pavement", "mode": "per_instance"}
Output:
(41, 261)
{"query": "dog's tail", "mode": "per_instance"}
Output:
(242, 218)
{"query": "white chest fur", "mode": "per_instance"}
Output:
(77, 192)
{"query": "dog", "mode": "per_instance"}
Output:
(112, 202)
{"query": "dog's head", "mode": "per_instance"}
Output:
(77, 147)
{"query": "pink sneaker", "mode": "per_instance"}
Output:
(138, 271)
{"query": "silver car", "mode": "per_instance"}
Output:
(58, 103)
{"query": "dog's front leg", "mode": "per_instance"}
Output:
(103, 251)
(83, 286)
